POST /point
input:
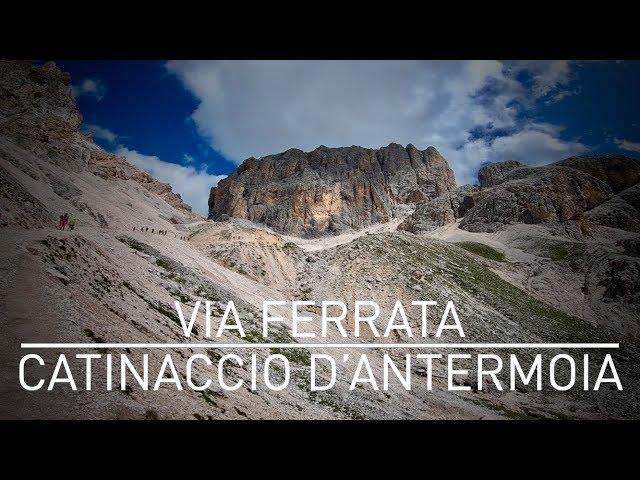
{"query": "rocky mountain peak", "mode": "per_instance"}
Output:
(330, 190)
(36, 100)
(38, 113)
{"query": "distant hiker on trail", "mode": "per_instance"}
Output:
(152, 230)
(72, 223)
(63, 221)
(146, 229)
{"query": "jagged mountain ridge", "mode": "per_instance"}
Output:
(330, 190)
(575, 189)
(336, 190)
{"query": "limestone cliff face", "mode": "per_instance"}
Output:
(510, 192)
(535, 195)
(330, 190)
(38, 114)
(572, 189)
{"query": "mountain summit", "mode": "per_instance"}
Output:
(330, 190)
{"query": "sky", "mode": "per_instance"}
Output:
(191, 123)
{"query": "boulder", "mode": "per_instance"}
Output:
(447, 208)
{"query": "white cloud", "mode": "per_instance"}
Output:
(89, 87)
(548, 77)
(627, 145)
(255, 108)
(188, 158)
(100, 132)
(535, 144)
(192, 184)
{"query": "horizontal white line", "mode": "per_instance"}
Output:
(321, 345)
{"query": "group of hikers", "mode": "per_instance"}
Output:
(69, 223)
(66, 221)
(160, 232)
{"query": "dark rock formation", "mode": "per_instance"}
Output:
(618, 171)
(629, 246)
(109, 166)
(36, 100)
(535, 195)
(330, 190)
(621, 211)
(447, 208)
(612, 277)
(493, 173)
(571, 189)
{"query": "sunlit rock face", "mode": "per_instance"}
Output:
(330, 190)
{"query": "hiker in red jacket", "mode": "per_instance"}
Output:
(63, 221)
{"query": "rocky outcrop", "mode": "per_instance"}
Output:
(611, 277)
(19, 207)
(535, 195)
(617, 171)
(629, 246)
(447, 208)
(494, 173)
(36, 102)
(38, 114)
(110, 166)
(330, 190)
(572, 189)
(621, 211)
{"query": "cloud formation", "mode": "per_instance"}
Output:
(255, 108)
(627, 145)
(100, 132)
(191, 183)
(89, 87)
(547, 78)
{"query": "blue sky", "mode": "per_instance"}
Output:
(190, 123)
